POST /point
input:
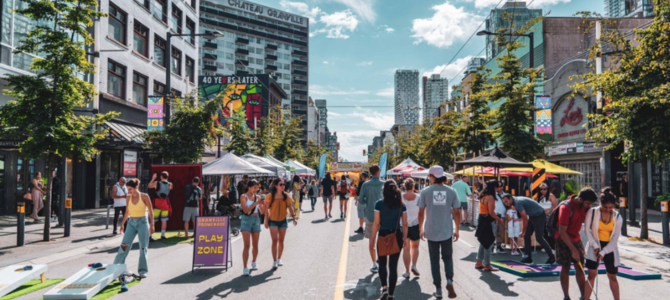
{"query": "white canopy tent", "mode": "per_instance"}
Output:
(229, 164)
(406, 165)
(300, 169)
(278, 162)
(267, 164)
(423, 174)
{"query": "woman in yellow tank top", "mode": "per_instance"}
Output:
(603, 228)
(485, 233)
(138, 225)
(276, 204)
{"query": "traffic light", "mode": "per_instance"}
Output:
(338, 147)
(364, 152)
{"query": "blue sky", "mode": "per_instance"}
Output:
(356, 46)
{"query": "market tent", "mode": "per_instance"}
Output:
(495, 158)
(404, 165)
(265, 163)
(409, 172)
(229, 164)
(547, 166)
(276, 161)
(423, 174)
(300, 169)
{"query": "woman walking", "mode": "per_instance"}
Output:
(343, 192)
(548, 202)
(38, 195)
(485, 233)
(312, 191)
(138, 225)
(295, 194)
(411, 249)
(251, 224)
(603, 229)
(277, 203)
(389, 211)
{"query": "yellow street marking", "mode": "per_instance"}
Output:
(342, 270)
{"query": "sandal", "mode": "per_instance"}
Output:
(489, 268)
(479, 266)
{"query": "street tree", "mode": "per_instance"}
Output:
(289, 145)
(442, 144)
(266, 140)
(473, 133)
(42, 112)
(638, 92)
(241, 137)
(190, 129)
(312, 154)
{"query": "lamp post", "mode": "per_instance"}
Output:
(529, 35)
(168, 72)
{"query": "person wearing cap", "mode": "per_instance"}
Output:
(439, 217)
(371, 191)
(360, 207)
(533, 219)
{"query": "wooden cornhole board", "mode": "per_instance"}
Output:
(14, 276)
(86, 283)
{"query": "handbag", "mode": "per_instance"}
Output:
(388, 244)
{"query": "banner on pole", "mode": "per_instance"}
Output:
(322, 165)
(542, 102)
(155, 113)
(210, 248)
(543, 125)
(382, 164)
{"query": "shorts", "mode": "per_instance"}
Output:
(327, 198)
(343, 196)
(563, 254)
(464, 205)
(278, 224)
(361, 210)
(250, 223)
(513, 229)
(162, 215)
(368, 229)
(413, 233)
(608, 259)
(190, 213)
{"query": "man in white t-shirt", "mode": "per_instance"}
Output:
(119, 194)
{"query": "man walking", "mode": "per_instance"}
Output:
(371, 191)
(463, 191)
(162, 206)
(193, 194)
(533, 219)
(327, 193)
(360, 206)
(119, 195)
(569, 246)
(439, 207)
(57, 212)
(501, 211)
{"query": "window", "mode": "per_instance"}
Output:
(145, 3)
(139, 89)
(193, 4)
(259, 61)
(190, 28)
(175, 18)
(175, 61)
(229, 55)
(117, 24)
(116, 79)
(159, 88)
(159, 10)
(141, 39)
(190, 69)
(159, 50)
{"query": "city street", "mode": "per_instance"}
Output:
(315, 267)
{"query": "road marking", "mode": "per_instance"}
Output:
(464, 242)
(342, 269)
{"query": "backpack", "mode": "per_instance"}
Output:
(552, 219)
(343, 187)
(310, 191)
(194, 198)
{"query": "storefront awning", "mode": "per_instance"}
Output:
(126, 133)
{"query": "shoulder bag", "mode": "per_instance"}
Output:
(388, 244)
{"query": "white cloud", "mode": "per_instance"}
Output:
(352, 144)
(448, 24)
(302, 9)
(536, 3)
(325, 62)
(386, 92)
(363, 8)
(320, 91)
(386, 28)
(364, 63)
(337, 23)
(450, 71)
(374, 119)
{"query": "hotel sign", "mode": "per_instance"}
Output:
(267, 12)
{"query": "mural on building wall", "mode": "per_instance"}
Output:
(241, 94)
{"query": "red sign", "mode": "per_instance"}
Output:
(572, 133)
(572, 117)
(129, 163)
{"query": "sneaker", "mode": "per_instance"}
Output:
(254, 266)
(405, 275)
(374, 269)
(515, 253)
(113, 232)
(143, 275)
(330, 215)
(275, 266)
(500, 249)
(163, 237)
(551, 260)
(279, 263)
(527, 260)
(415, 271)
(437, 293)
(245, 272)
(450, 291)
(385, 294)
(359, 230)
(341, 215)
(566, 298)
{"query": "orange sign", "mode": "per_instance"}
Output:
(623, 201)
(68, 203)
(664, 206)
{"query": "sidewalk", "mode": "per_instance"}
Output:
(87, 232)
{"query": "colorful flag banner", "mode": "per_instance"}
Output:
(155, 113)
(322, 165)
(382, 164)
(543, 125)
(542, 102)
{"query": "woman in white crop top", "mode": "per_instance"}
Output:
(411, 249)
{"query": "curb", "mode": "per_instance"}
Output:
(113, 242)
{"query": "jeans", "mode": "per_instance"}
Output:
(312, 200)
(536, 224)
(499, 230)
(434, 254)
(484, 254)
(119, 211)
(390, 278)
(139, 227)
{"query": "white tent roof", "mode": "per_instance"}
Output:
(405, 165)
(230, 164)
(300, 168)
(276, 161)
(265, 163)
(424, 173)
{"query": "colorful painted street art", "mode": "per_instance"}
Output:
(241, 94)
(526, 270)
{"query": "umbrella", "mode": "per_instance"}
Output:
(496, 158)
(547, 166)
(229, 164)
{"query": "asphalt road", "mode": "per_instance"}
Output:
(316, 268)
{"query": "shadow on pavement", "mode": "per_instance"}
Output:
(356, 237)
(199, 276)
(471, 257)
(337, 221)
(411, 289)
(238, 285)
(366, 288)
(319, 221)
(93, 238)
(498, 285)
(540, 279)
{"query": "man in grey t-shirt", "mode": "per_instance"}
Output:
(439, 207)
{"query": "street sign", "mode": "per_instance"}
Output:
(68, 203)
(329, 148)
(212, 237)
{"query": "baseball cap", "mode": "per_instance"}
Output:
(436, 171)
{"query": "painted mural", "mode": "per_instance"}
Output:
(241, 94)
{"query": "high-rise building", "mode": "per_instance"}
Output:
(509, 18)
(474, 64)
(406, 85)
(257, 40)
(313, 122)
(629, 8)
(435, 91)
(323, 119)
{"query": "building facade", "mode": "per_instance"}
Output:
(313, 122)
(406, 84)
(257, 40)
(321, 105)
(511, 17)
(629, 8)
(435, 92)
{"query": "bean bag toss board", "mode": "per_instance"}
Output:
(536, 270)
(14, 276)
(86, 283)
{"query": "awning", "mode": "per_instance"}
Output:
(126, 133)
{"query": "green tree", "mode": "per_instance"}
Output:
(473, 133)
(241, 137)
(312, 154)
(43, 110)
(191, 128)
(639, 96)
(289, 145)
(266, 141)
(442, 143)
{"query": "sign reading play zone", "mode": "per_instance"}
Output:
(12, 277)
(211, 242)
(86, 283)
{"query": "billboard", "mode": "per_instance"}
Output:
(246, 94)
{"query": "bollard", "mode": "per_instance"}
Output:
(622, 211)
(68, 215)
(107, 219)
(665, 222)
(20, 223)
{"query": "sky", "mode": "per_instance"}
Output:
(355, 47)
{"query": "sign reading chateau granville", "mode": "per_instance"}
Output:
(266, 12)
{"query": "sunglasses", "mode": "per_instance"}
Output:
(281, 184)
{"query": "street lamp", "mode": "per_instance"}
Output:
(529, 35)
(168, 46)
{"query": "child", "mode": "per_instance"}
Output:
(513, 229)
